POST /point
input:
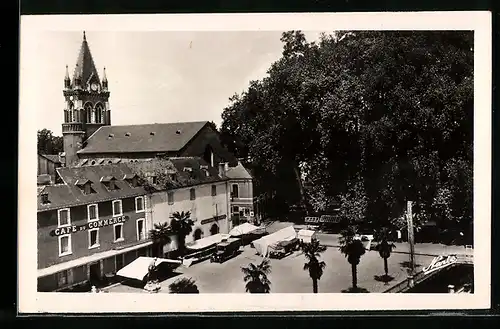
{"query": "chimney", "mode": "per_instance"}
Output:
(451, 289)
(222, 169)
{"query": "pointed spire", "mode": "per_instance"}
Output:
(85, 67)
(67, 81)
(104, 77)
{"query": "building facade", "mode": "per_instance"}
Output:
(241, 194)
(193, 186)
(90, 226)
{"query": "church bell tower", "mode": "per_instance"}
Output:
(86, 103)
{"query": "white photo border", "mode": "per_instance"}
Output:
(31, 301)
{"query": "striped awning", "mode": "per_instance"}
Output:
(312, 220)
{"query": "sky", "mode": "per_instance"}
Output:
(154, 76)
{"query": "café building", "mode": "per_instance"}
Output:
(90, 226)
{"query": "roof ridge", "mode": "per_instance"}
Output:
(149, 124)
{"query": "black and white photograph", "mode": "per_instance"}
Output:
(200, 165)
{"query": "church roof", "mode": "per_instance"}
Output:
(85, 66)
(157, 137)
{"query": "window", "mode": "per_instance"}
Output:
(93, 238)
(192, 194)
(170, 197)
(139, 204)
(141, 230)
(64, 245)
(214, 190)
(92, 211)
(63, 216)
(118, 229)
(235, 193)
(117, 208)
(247, 211)
(236, 209)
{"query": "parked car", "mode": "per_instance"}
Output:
(226, 250)
(283, 248)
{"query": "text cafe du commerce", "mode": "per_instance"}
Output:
(89, 225)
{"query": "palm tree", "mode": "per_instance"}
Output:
(353, 249)
(181, 226)
(255, 277)
(160, 234)
(384, 246)
(312, 252)
(183, 286)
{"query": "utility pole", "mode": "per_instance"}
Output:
(411, 240)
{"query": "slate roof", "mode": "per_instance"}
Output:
(238, 172)
(51, 157)
(157, 137)
(200, 172)
(68, 194)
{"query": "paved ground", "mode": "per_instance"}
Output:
(287, 274)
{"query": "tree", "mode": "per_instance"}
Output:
(184, 286)
(384, 246)
(160, 235)
(315, 267)
(181, 225)
(391, 111)
(48, 143)
(353, 249)
(255, 277)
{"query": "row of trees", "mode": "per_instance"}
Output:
(256, 276)
(364, 119)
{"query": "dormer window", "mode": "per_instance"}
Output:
(45, 198)
(152, 133)
(131, 179)
(109, 182)
(188, 169)
(127, 134)
(178, 132)
(85, 185)
(111, 135)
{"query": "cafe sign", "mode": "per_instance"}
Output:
(213, 219)
(88, 226)
(440, 262)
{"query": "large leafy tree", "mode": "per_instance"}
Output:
(256, 278)
(389, 111)
(48, 143)
(312, 252)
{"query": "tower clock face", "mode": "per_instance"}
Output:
(94, 86)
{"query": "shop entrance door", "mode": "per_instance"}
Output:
(95, 274)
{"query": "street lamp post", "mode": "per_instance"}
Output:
(411, 240)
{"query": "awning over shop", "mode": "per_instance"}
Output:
(139, 268)
(89, 259)
(207, 242)
(334, 219)
(243, 229)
